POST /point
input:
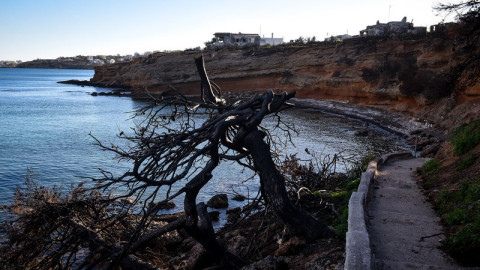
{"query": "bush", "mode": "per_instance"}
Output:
(341, 197)
(460, 210)
(466, 162)
(430, 168)
(336, 189)
(465, 137)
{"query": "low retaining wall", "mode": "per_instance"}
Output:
(358, 251)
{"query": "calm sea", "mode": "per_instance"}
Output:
(45, 127)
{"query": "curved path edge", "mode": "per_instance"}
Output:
(358, 251)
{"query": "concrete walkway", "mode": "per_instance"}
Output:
(405, 232)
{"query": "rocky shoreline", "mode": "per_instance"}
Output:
(397, 123)
(95, 84)
(422, 135)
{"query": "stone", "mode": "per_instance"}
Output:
(237, 244)
(430, 150)
(233, 214)
(424, 142)
(236, 210)
(195, 257)
(218, 201)
(239, 198)
(127, 201)
(293, 245)
(166, 205)
(214, 215)
(361, 133)
(269, 262)
(415, 132)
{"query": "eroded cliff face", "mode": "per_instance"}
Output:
(401, 75)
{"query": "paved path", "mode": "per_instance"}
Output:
(404, 230)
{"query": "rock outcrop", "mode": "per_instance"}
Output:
(399, 75)
(218, 201)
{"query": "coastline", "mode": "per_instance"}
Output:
(396, 123)
(424, 138)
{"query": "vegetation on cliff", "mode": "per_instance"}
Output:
(453, 183)
(414, 75)
(452, 178)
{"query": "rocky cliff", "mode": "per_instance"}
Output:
(408, 75)
(80, 63)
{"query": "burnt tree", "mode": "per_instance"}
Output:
(174, 154)
(467, 41)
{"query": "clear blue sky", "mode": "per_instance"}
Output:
(31, 29)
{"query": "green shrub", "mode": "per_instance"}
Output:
(341, 199)
(340, 225)
(457, 216)
(431, 167)
(461, 212)
(466, 162)
(465, 137)
(353, 185)
(342, 196)
(465, 243)
(335, 192)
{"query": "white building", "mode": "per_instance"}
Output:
(271, 41)
(99, 62)
(339, 38)
(233, 39)
(394, 28)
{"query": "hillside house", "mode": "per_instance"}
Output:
(231, 39)
(270, 41)
(394, 28)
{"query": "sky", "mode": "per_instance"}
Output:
(47, 29)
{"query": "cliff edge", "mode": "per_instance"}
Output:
(417, 76)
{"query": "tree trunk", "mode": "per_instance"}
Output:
(207, 90)
(273, 190)
(198, 222)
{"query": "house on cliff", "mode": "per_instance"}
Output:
(271, 41)
(241, 39)
(231, 39)
(393, 29)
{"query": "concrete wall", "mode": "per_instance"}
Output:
(358, 251)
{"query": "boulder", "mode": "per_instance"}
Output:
(218, 201)
(361, 133)
(233, 214)
(292, 246)
(268, 262)
(239, 198)
(166, 205)
(214, 216)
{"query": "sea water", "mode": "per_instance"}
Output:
(46, 128)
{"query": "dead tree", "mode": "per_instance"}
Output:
(467, 41)
(174, 154)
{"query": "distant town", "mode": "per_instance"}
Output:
(78, 61)
(393, 29)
